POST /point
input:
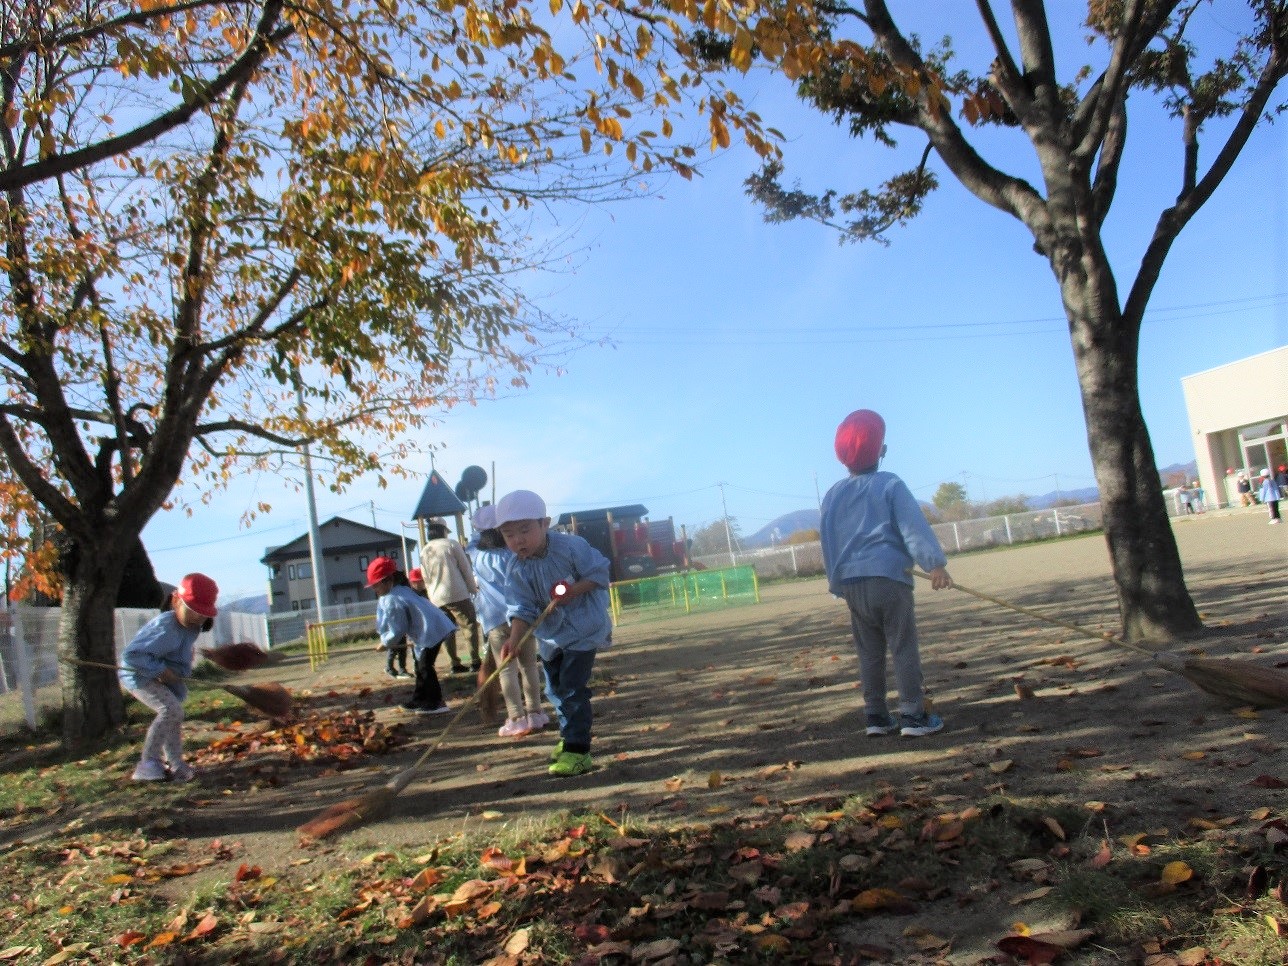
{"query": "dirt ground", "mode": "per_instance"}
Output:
(767, 695)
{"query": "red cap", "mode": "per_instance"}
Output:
(382, 568)
(415, 574)
(198, 593)
(860, 440)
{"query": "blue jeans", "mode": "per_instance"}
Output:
(881, 617)
(568, 688)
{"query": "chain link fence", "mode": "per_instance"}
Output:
(806, 559)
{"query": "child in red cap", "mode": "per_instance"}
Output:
(153, 668)
(872, 532)
(402, 615)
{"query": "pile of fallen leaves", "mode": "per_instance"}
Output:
(334, 739)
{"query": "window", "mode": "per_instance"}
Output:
(306, 603)
(363, 561)
(301, 571)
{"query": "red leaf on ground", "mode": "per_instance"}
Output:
(1268, 781)
(246, 872)
(1030, 950)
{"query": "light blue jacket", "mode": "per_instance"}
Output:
(1269, 490)
(404, 613)
(872, 526)
(582, 625)
(490, 567)
(160, 643)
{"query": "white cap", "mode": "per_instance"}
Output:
(484, 517)
(1265, 472)
(519, 505)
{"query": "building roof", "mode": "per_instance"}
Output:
(437, 499)
(357, 537)
(632, 512)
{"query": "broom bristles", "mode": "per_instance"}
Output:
(489, 689)
(269, 698)
(349, 813)
(1238, 682)
(239, 656)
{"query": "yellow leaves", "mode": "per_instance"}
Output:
(719, 133)
(740, 56)
(882, 900)
(1174, 873)
(556, 6)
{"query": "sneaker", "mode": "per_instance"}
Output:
(441, 709)
(570, 763)
(476, 666)
(150, 770)
(459, 668)
(538, 720)
(183, 772)
(390, 672)
(919, 725)
(1274, 521)
(880, 725)
(514, 728)
(558, 750)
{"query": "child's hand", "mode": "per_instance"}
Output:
(562, 592)
(939, 578)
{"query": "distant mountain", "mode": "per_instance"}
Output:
(258, 604)
(1088, 494)
(779, 529)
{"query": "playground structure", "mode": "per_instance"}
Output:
(634, 545)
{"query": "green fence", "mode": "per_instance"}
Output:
(683, 593)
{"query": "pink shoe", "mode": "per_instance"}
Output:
(538, 720)
(514, 728)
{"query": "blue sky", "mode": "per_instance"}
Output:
(737, 346)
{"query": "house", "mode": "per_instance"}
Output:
(346, 548)
(1239, 420)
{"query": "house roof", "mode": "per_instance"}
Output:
(632, 512)
(358, 536)
(437, 499)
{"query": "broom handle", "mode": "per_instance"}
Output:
(195, 682)
(404, 777)
(1037, 615)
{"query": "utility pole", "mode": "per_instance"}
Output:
(315, 538)
(373, 514)
(728, 532)
(817, 495)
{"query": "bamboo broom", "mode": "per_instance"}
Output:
(374, 804)
(268, 697)
(1235, 681)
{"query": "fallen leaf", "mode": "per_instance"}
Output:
(796, 841)
(657, 949)
(878, 900)
(208, 924)
(1054, 826)
(1039, 893)
(1175, 873)
(1029, 949)
(997, 767)
(517, 944)
(715, 780)
(1194, 755)
(1102, 858)
(1268, 781)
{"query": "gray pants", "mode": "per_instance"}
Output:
(881, 616)
(521, 678)
(164, 740)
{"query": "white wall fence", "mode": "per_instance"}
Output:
(806, 559)
(30, 672)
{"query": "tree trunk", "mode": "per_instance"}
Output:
(93, 704)
(1153, 602)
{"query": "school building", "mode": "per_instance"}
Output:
(1239, 421)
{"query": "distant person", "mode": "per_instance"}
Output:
(1197, 497)
(1270, 495)
(577, 628)
(1281, 477)
(1183, 500)
(449, 583)
(521, 677)
(154, 666)
(1243, 487)
(872, 531)
(402, 614)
